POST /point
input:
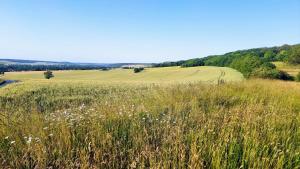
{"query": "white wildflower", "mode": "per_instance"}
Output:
(29, 140)
(37, 139)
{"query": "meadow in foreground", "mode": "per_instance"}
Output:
(251, 124)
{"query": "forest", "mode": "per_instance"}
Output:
(255, 62)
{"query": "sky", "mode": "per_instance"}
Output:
(110, 31)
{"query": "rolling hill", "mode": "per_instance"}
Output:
(149, 75)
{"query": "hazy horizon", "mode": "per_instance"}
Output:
(142, 31)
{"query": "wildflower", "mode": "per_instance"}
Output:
(12, 142)
(29, 140)
(82, 106)
(6, 137)
(37, 139)
(50, 134)
(45, 128)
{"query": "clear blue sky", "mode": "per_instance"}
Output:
(142, 30)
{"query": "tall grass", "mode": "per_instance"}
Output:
(253, 124)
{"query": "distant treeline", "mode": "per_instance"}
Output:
(20, 67)
(251, 62)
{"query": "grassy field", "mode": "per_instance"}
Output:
(290, 69)
(65, 123)
(149, 75)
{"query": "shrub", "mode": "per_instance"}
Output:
(105, 69)
(265, 73)
(269, 73)
(48, 74)
(138, 69)
(285, 76)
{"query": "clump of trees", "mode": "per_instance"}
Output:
(294, 57)
(169, 64)
(105, 69)
(138, 69)
(48, 74)
(193, 63)
(251, 62)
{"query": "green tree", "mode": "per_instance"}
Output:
(246, 64)
(269, 55)
(48, 74)
(294, 58)
(138, 69)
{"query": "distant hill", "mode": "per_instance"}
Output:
(9, 65)
(38, 62)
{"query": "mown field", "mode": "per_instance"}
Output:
(82, 123)
(149, 75)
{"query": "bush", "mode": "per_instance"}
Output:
(48, 74)
(285, 76)
(265, 73)
(298, 77)
(138, 69)
(105, 69)
(269, 73)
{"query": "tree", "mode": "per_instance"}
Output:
(138, 69)
(294, 58)
(48, 74)
(1, 73)
(269, 55)
(247, 64)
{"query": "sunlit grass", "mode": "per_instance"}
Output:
(251, 124)
(149, 75)
(290, 69)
